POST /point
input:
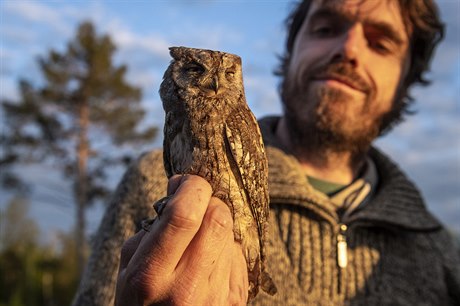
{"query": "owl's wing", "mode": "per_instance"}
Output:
(174, 143)
(170, 132)
(244, 139)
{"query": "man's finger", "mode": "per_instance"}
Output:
(170, 235)
(211, 239)
(219, 280)
(129, 248)
(239, 283)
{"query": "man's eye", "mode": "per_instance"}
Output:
(381, 46)
(323, 30)
(381, 43)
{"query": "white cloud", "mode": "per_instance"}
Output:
(261, 95)
(143, 78)
(16, 34)
(32, 11)
(218, 37)
(124, 38)
(36, 12)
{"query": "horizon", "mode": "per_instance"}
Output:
(426, 145)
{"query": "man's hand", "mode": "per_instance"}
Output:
(189, 256)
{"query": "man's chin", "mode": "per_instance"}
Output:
(327, 136)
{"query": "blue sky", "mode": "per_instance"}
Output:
(427, 146)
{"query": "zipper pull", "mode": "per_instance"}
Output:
(342, 259)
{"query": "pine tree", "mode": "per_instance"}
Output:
(84, 101)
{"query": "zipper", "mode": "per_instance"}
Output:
(342, 256)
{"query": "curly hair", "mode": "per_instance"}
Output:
(421, 17)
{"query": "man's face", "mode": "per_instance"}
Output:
(347, 65)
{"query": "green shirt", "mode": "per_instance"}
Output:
(349, 197)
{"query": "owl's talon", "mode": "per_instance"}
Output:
(160, 205)
(146, 224)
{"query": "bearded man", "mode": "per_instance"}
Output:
(346, 228)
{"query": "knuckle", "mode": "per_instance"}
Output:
(219, 218)
(145, 287)
(183, 217)
(137, 282)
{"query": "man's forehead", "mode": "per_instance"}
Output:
(358, 9)
(374, 11)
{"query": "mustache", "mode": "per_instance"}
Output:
(343, 72)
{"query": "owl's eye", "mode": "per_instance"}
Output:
(230, 73)
(194, 69)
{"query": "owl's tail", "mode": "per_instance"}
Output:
(267, 284)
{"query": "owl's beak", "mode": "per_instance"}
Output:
(215, 84)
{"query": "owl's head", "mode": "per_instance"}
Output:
(201, 72)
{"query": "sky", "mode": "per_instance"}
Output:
(426, 146)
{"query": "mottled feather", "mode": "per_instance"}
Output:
(210, 131)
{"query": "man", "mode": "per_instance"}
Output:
(346, 227)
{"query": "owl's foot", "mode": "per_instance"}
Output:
(160, 205)
(145, 224)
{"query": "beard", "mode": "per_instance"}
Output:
(318, 118)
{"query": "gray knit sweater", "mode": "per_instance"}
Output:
(392, 251)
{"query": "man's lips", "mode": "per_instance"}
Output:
(344, 81)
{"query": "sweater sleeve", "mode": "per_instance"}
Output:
(453, 274)
(449, 248)
(142, 184)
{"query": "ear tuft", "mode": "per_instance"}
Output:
(176, 52)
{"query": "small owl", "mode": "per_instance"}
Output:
(210, 131)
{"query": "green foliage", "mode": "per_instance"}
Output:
(47, 123)
(83, 101)
(31, 273)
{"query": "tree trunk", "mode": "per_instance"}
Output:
(81, 186)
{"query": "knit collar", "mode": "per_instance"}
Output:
(396, 203)
(356, 194)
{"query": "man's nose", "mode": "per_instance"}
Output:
(351, 46)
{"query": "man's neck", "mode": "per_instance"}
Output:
(322, 163)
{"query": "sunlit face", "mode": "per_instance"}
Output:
(347, 65)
